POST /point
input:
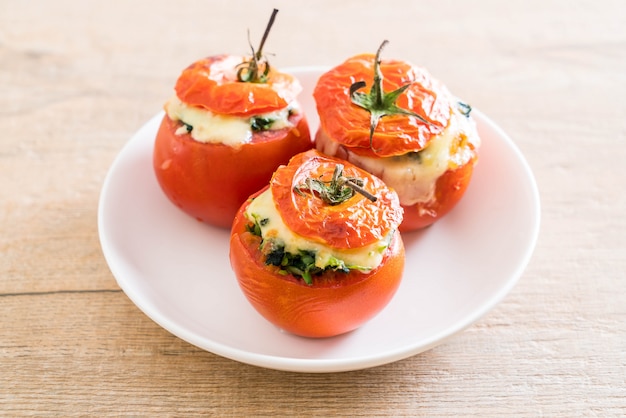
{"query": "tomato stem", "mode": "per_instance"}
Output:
(357, 188)
(259, 53)
(336, 191)
(249, 70)
(377, 101)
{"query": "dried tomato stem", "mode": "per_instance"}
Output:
(351, 184)
(259, 52)
(249, 70)
(338, 190)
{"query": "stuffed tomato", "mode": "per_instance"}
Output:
(408, 130)
(317, 251)
(231, 122)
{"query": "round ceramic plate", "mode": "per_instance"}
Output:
(177, 271)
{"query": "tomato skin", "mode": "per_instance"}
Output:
(211, 181)
(210, 83)
(449, 190)
(334, 304)
(349, 124)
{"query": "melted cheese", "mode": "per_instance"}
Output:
(262, 207)
(225, 69)
(215, 128)
(414, 176)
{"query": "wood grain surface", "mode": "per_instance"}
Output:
(78, 78)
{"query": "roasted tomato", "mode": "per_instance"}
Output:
(232, 121)
(312, 255)
(210, 181)
(409, 130)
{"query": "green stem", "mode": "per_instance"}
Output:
(378, 102)
(336, 191)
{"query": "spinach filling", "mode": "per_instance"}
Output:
(187, 126)
(264, 123)
(301, 264)
(465, 109)
(261, 124)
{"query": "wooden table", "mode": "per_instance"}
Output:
(77, 79)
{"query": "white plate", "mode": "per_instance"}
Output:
(176, 270)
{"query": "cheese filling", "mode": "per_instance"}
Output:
(262, 210)
(206, 126)
(414, 175)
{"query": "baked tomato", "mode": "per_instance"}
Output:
(409, 130)
(312, 255)
(231, 122)
(210, 181)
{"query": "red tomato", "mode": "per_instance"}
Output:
(345, 128)
(334, 303)
(209, 181)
